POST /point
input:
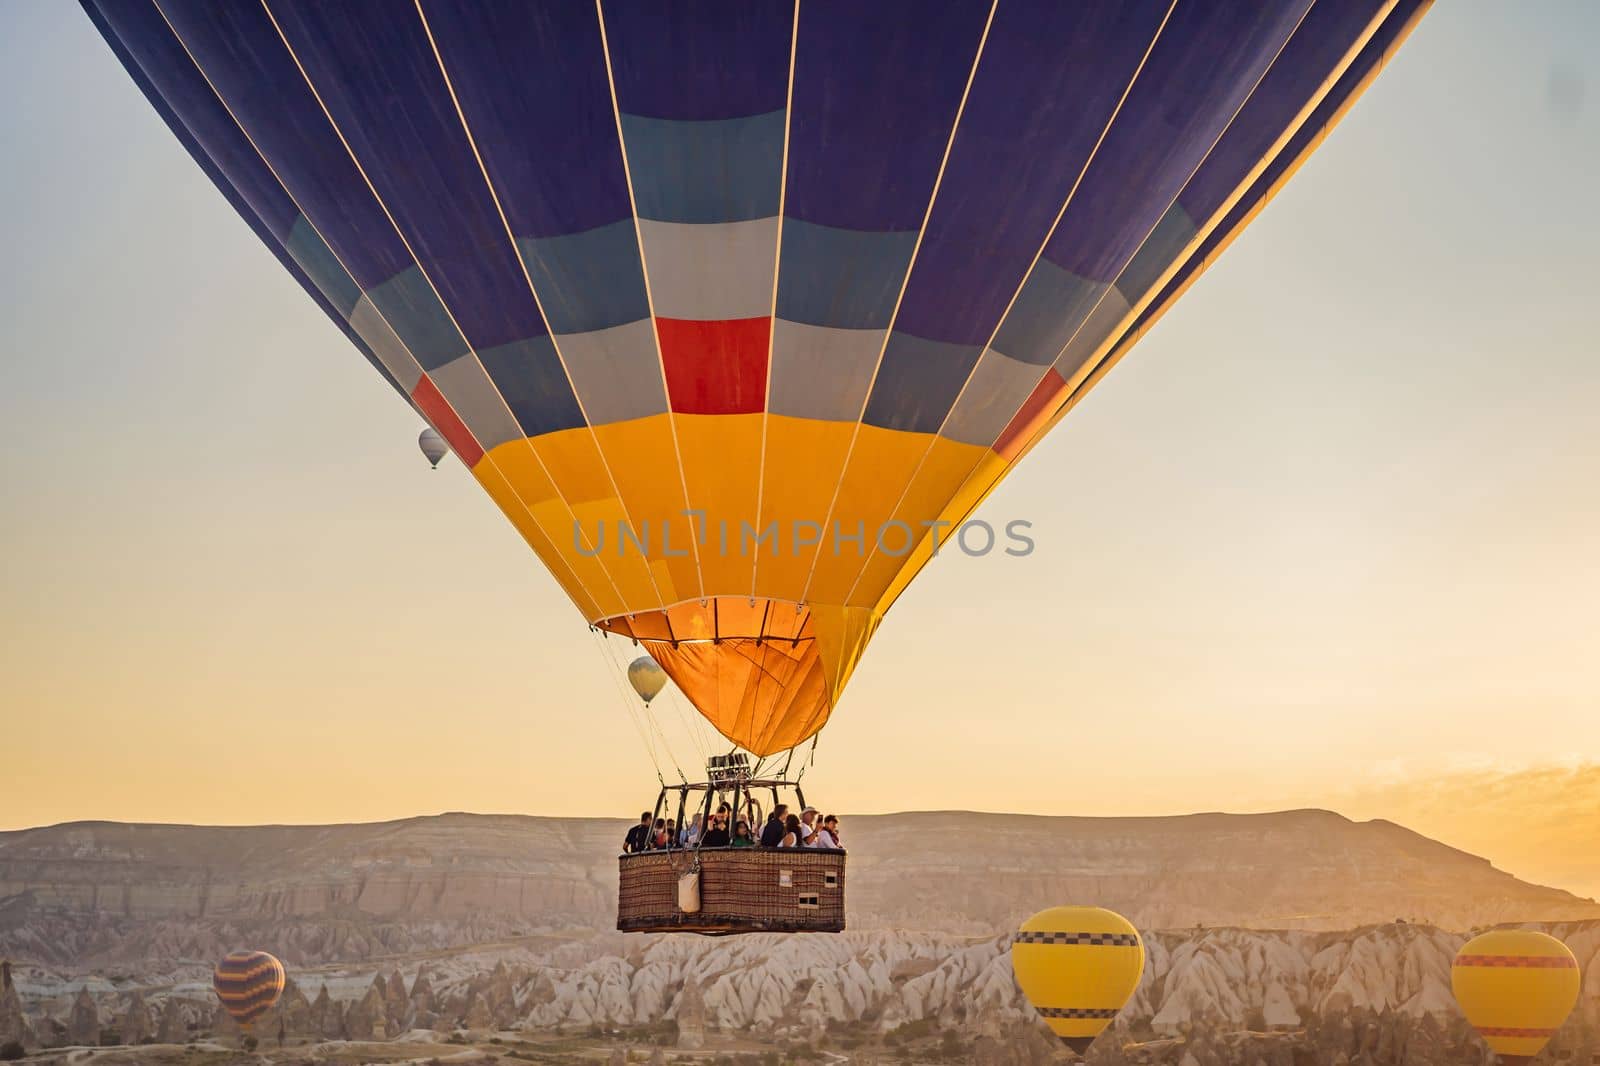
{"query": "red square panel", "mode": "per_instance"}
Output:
(1036, 410)
(715, 368)
(431, 402)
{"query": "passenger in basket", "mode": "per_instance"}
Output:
(808, 827)
(672, 833)
(828, 835)
(793, 833)
(717, 835)
(742, 837)
(659, 838)
(639, 836)
(772, 832)
(691, 835)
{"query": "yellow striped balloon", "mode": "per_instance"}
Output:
(1078, 966)
(248, 983)
(1516, 987)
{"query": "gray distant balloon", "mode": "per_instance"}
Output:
(433, 446)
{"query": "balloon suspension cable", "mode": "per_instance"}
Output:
(628, 704)
(654, 722)
(693, 724)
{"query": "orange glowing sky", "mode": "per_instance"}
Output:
(1330, 537)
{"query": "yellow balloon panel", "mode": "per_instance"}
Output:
(1516, 987)
(722, 469)
(644, 464)
(945, 468)
(804, 460)
(880, 468)
(584, 480)
(1078, 967)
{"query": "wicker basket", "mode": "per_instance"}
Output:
(742, 890)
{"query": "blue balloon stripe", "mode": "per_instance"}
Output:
(843, 278)
(588, 281)
(724, 170)
(166, 72)
(531, 81)
(376, 72)
(1322, 40)
(242, 54)
(1048, 82)
(858, 75)
(918, 381)
(1202, 69)
(699, 59)
(1399, 20)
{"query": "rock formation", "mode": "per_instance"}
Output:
(327, 1017)
(174, 1025)
(1218, 997)
(292, 1015)
(14, 1027)
(397, 1004)
(422, 993)
(83, 1022)
(103, 893)
(136, 1024)
(691, 1015)
(369, 1018)
(478, 1019)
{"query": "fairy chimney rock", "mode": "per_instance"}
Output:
(174, 1025)
(136, 1027)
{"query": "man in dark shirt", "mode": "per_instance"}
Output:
(772, 832)
(717, 835)
(639, 836)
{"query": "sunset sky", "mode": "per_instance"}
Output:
(1329, 537)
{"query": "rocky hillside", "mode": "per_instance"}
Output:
(107, 894)
(1372, 997)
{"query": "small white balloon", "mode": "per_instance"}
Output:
(646, 677)
(433, 446)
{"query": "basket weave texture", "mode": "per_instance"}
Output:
(741, 890)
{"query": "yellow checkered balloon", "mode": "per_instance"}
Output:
(1078, 966)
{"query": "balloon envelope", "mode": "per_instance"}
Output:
(1078, 967)
(433, 446)
(1516, 987)
(248, 984)
(737, 309)
(646, 677)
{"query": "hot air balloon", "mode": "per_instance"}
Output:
(646, 677)
(738, 310)
(248, 984)
(1078, 967)
(433, 446)
(1516, 987)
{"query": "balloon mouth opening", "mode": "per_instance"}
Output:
(753, 668)
(714, 620)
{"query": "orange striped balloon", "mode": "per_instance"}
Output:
(248, 983)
